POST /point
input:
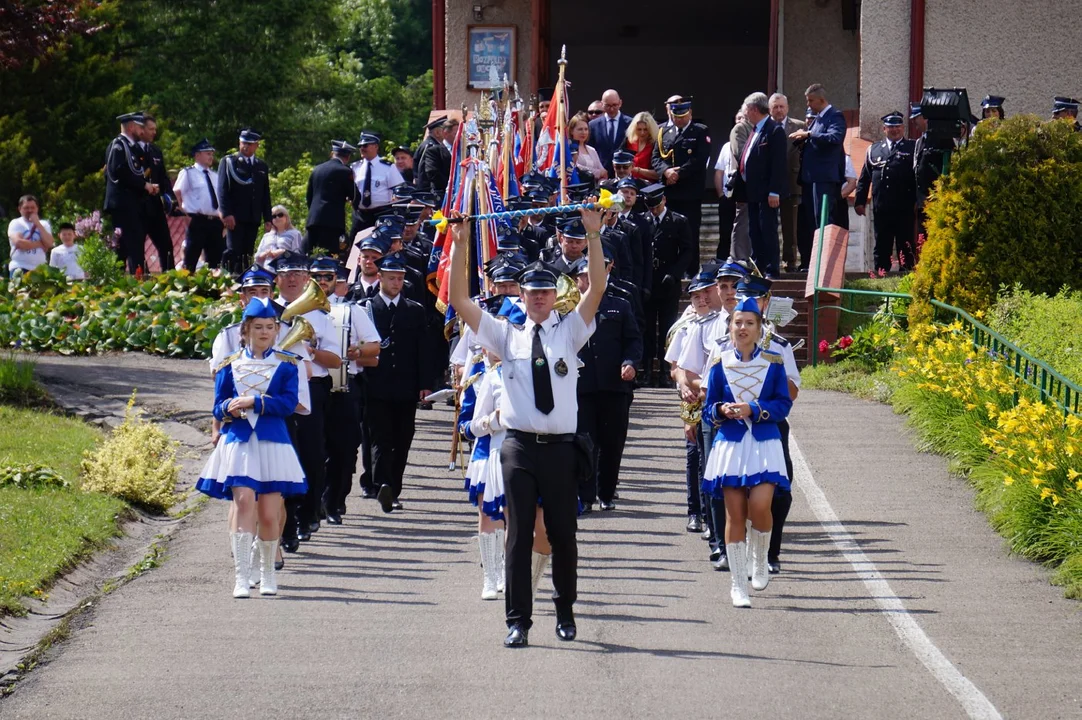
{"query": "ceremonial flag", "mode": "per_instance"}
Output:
(454, 183)
(546, 150)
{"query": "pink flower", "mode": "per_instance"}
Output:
(882, 272)
(845, 342)
(824, 347)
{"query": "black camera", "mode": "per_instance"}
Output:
(947, 112)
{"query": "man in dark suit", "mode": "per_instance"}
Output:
(606, 385)
(823, 164)
(401, 379)
(672, 255)
(888, 169)
(155, 207)
(243, 200)
(125, 188)
(330, 190)
(432, 165)
(608, 130)
(763, 165)
(779, 113)
(680, 158)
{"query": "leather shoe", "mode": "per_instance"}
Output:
(313, 526)
(340, 510)
(290, 544)
(773, 566)
(396, 505)
(517, 637)
(386, 498)
(368, 494)
(608, 505)
(565, 626)
(722, 563)
(715, 554)
(587, 509)
(303, 535)
(333, 518)
(695, 524)
(707, 533)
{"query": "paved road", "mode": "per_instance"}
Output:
(382, 617)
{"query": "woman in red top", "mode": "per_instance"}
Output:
(640, 139)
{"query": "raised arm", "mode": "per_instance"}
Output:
(458, 290)
(591, 300)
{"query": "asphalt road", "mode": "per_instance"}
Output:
(382, 617)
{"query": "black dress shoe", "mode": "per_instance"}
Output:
(340, 510)
(694, 524)
(290, 544)
(708, 534)
(313, 526)
(396, 505)
(587, 509)
(368, 494)
(334, 518)
(517, 637)
(606, 506)
(721, 564)
(386, 498)
(303, 535)
(565, 626)
(279, 564)
(773, 566)
(715, 555)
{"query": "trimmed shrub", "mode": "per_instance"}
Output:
(137, 463)
(1008, 212)
(1049, 328)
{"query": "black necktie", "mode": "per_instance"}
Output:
(542, 381)
(612, 130)
(391, 308)
(371, 291)
(366, 191)
(210, 188)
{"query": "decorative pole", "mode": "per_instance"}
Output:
(561, 122)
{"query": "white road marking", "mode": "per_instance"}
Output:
(974, 702)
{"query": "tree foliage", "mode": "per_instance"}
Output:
(1009, 212)
(30, 28)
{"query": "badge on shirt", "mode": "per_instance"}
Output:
(561, 367)
(539, 362)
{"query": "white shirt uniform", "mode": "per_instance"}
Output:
(385, 177)
(702, 337)
(67, 259)
(672, 353)
(326, 339)
(361, 330)
(561, 338)
(194, 194)
(26, 259)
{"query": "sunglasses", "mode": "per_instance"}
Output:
(594, 112)
(278, 216)
(324, 276)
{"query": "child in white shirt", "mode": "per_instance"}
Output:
(66, 255)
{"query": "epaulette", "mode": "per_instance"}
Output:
(476, 359)
(773, 357)
(286, 356)
(702, 319)
(229, 360)
(472, 379)
(779, 340)
(385, 161)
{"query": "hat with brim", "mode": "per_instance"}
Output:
(652, 195)
(893, 119)
(248, 135)
(136, 117)
(753, 287)
(202, 146)
(395, 262)
(290, 260)
(368, 138)
(537, 276)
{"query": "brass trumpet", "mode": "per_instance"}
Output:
(302, 330)
(313, 298)
(691, 413)
(567, 295)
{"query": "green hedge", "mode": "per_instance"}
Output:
(1049, 328)
(176, 314)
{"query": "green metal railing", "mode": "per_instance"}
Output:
(1051, 386)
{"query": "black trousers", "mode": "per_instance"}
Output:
(391, 423)
(693, 211)
(661, 313)
(604, 417)
(131, 242)
(312, 448)
(204, 237)
(726, 218)
(894, 229)
(533, 470)
(367, 481)
(158, 229)
(240, 246)
(763, 229)
(364, 218)
(343, 431)
(331, 239)
(805, 229)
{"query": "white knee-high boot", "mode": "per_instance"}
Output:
(738, 560)
(242, 557)
(501, 560)
(268, 583)
(254, 565)
(540, 562)
(760, 574)
(489, 563)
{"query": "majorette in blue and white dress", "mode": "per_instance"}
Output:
(478, 422)
(255, 450)
(746, 452)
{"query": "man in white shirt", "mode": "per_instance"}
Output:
(197, 195)
(30, 237)
(376, 179)
(66, 255)
(539, 457)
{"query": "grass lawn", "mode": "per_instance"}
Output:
(850, 378)
(46, 531)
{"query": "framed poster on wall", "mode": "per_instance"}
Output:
(490, 55)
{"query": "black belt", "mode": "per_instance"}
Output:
(541, 438)
(203, 216)
(321, 380)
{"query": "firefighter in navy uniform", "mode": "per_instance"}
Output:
(1066, 108)
(330, 191)
(243, 200)
(401, 379)
(432, 163)
(681, 154)
(156, 207)
(126, 187)
(673, 250)
(888, 168)
(606, 386)
(359, 341)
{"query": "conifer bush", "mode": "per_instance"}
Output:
(1009, 212)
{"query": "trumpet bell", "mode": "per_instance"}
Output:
(313, 298)
(302, 331)
(567, 295)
